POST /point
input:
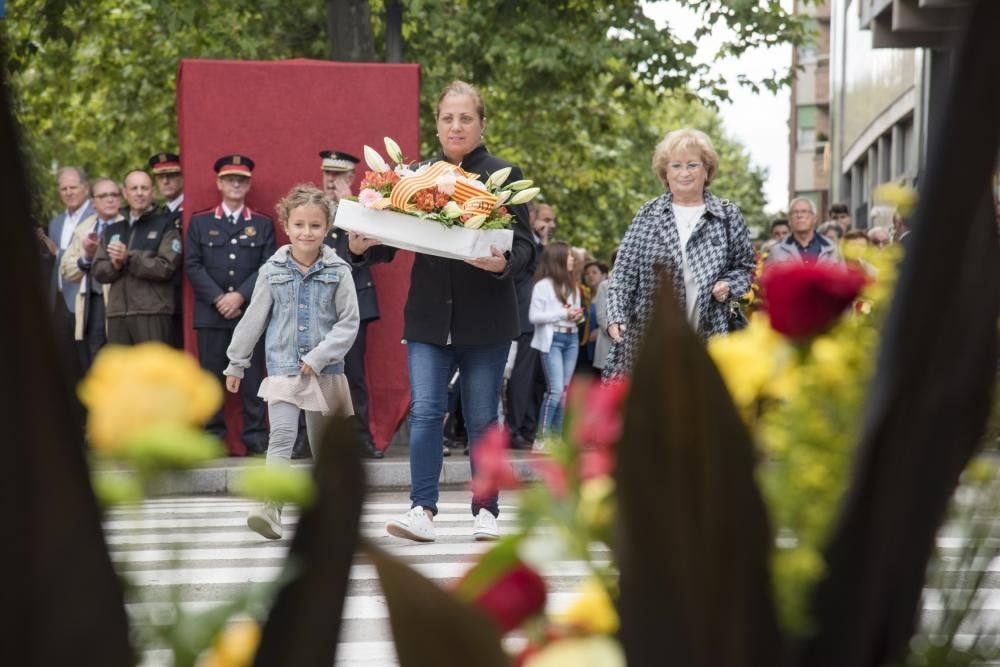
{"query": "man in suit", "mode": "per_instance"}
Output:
(526, 386)
(170, 182)
(225, 248)
(91, 301)
(74, 190)
(360, 252)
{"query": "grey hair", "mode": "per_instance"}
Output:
(812, 206)
(81, 174)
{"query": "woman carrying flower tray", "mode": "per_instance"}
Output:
(459, 314)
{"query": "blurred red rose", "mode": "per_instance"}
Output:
(598, 422)
(515, 596)
(805, 299)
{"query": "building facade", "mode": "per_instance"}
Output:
(887, 68)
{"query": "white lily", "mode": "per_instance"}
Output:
(452, 210)
(475, 222)
(520, 185)
(502, 198)
(497, 178)
(375, 161)
(524, 196)
(393, 150)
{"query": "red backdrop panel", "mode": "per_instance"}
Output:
(281, 114)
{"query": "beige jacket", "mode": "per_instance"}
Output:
(70, 269)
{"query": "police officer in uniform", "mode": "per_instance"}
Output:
(166, 169)
(360, 253)
(225, 247)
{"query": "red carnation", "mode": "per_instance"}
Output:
(805, 299)
(515, 596)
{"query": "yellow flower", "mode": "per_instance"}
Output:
(596, 508)
(592, 610)
(831, 362)
(747, 360)
(234, 647)
(130, 389)
(902, 197)
(580, 652)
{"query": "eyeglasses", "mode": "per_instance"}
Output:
(680, 166)
(108, 195)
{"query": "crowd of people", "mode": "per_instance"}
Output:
(491, 339)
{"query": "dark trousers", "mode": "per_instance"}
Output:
(136, 329)
(64, 323)
(212, 346)
(94, 333)
(525, 389)
(354, 369)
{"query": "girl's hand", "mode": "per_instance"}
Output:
(232, 384)
(306, 369)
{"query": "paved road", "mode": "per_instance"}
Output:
(201, 549)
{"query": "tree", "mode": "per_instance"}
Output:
(576, 89)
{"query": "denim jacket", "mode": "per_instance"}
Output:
(311, 318)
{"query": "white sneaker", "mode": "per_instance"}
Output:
(414, 525)
(266, 521)
(484, 528)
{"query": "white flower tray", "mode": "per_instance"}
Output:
(425, 236)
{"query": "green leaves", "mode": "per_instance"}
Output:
(276, 484)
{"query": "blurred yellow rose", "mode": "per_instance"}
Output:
(597, 503)
(748, 360)
(234, 647)
(597, 651)
(129, 389)
(592, 610)
(902, 197)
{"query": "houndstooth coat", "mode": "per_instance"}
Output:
(719, 249)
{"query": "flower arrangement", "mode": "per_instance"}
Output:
(441, 191)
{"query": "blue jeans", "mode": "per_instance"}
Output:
(557, 364)
(480, 370)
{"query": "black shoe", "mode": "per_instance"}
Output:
(300, 450)
(520, 442)
(373, 452)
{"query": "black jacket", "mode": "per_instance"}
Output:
(524, 283)
(448, 296)
(363, 283)
(221, 257)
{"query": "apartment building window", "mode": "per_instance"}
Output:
(806, 126)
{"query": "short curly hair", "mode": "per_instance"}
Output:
(303, 194)
(678, 141)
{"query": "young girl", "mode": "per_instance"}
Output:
(555, 310)
(305, 299)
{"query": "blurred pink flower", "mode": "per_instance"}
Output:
(599, 419)
(596, 462)
(493, 469)
(368, 197)
(553, 475)
(515, 596)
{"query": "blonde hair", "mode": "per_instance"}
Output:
(679, 141)
(303, 194)
(457, 87)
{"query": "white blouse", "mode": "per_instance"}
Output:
(686, 218)
(547, 312)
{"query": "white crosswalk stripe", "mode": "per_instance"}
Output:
(200, 550)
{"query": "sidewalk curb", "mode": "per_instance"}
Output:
(382, 475)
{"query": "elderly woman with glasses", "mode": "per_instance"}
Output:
(698, 241)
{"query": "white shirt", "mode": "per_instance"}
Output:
(175, 203)
(686, 218)
(236, 214)
(69, 226)
(547, 311)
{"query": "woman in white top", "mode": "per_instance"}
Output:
(555, 310)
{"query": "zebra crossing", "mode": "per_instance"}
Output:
(198, 550)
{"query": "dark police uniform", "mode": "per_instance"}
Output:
(354, 362)
(170, 163)
(224, 256)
